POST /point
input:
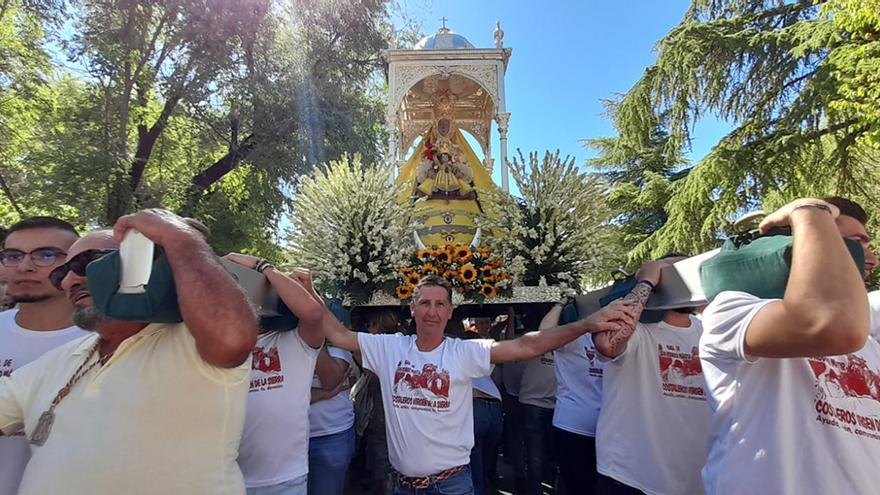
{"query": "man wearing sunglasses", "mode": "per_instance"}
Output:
(39, 322)
(139, 408)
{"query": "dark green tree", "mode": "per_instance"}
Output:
(798, 82)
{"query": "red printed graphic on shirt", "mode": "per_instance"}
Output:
(421, 389)
(266, 366)
(595, 368)
(847, 394)
(681, 374)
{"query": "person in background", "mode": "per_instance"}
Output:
(331, 415)
(537, 398)
(33, 248)
(578, 398)
(487, 418)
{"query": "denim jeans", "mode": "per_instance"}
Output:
(329, 456)
(537, 424)
(296, 486)
(513, 439)
(457, 484)
(487, 436)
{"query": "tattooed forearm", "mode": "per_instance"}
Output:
(617, 339)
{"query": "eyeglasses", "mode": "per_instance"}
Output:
(42, 256)
(77, 265)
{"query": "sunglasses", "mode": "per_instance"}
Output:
(43, 256)
(77, 265)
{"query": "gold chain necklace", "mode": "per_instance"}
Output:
(47, 419)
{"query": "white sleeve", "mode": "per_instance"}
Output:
(725, 323)
(338, 353)
(874, 303)
(15, 392)
(374, 350)
(472, 357)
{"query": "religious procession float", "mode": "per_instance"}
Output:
(369, 233)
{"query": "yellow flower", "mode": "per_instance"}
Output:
(428, 268)
(404, 292)
(424, 254)
(463, 253)
(443, 257)
(468, 273)
(413, 278)
(489, 290)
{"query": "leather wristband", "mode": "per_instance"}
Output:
(263, 265)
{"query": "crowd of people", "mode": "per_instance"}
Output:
(741, 396)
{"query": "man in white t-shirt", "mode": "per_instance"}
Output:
(578, 397)
(793, 383)
(41, 320)
(653, 399)
(426, 384)
(274, 450)
(132, 402)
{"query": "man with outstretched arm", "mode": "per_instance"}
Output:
(426, 384)
(794, 383)
(135, 407)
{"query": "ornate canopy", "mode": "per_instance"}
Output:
(445, 76)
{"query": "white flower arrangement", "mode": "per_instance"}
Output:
(559, 231)
(349, 229)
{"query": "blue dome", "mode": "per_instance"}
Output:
(443, 40)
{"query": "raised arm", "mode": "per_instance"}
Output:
(825, 307)
(534, 344)
(612, 344)
(334, 331)
(215, 310)
(551, 319)
(303, 302)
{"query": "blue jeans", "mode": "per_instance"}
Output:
(537, 422)
(487, 437)
(329, 456)
(296, 486)
(457, 484)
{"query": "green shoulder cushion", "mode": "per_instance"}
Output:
(759, 267)
(157, 304)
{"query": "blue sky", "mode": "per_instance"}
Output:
(567, 57)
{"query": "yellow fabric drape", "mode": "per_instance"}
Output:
(446, 217)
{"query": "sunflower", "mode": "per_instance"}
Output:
(406, 270)
(443, 257)
(428, 269)
(468, 273)
(404, 292)
(489, 278)
(463, 253)
(489, 290)
(486, 271)
(413, 278)
(424, 254)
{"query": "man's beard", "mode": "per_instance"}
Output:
(87, 317)
(30, 298)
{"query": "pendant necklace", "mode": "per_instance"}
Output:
(44, 424)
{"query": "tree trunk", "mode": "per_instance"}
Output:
(211, 175)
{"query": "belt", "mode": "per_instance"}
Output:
(426, 481)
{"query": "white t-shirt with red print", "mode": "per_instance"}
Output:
(427, 398)
(275, 442)
(18, 347)
(578, 386)
(653, 424)
(786, 426)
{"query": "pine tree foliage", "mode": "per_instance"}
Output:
(798, 80)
